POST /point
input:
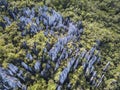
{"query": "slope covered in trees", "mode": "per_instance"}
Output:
(65, 55)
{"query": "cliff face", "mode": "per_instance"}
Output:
(63, 44)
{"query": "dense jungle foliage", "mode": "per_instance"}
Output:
(101, 21)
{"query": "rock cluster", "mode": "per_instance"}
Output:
(31, 21)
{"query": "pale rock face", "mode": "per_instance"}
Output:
(7, 20)
(10, 80)
(59, 87)
(37, 66)
(106, 66)
(29, 56)
(13, 68)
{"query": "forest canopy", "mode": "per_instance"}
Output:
(50, 44)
